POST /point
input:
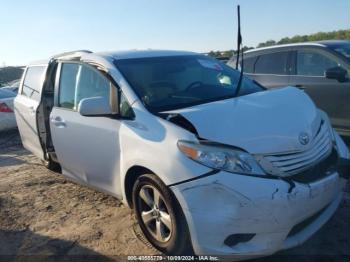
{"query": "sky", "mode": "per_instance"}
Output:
(36, 29)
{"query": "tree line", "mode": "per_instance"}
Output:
(340, 35)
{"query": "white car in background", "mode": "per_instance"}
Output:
(7, 116)
(205, 167)
(13, 87)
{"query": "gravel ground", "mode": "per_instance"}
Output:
(42, 213)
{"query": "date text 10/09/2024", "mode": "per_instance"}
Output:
(173, 258)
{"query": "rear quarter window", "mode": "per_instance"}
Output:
(248, 66)
(249, 63)
(33, 82)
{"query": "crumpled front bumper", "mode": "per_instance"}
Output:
(226, 204)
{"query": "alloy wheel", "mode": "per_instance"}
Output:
(154, 213)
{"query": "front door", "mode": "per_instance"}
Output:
(86, 147)
(330, 95)
(26, 104)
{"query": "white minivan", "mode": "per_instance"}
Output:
(206, 170)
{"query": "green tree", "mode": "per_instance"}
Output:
(340, 34)
(267, 43)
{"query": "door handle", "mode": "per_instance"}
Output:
(58, 121)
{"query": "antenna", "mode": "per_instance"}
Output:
(239, 46)
(239, 36)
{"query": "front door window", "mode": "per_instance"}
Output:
(82, 81)
(312, 63)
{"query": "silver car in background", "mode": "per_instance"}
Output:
(321, 69)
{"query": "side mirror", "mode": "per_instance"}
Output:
(94, 106)
(337, 73)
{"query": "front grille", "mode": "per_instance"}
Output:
(288, 164)
(319, 171)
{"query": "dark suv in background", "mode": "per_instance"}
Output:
(320, 68)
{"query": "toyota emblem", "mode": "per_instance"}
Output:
(304, 138)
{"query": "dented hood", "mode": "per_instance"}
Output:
(260, 123)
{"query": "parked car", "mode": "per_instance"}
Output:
(13, 86)
(321, 69)
(204, 169)
(7, 116)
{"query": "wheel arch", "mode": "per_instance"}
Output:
(131, 176)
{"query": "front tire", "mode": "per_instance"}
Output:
(160, 216)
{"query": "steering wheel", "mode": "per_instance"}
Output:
(158, 90)
(193, 85)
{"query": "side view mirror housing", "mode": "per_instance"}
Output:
(337, 73)
(94, 106)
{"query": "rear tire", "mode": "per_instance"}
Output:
(160, 216)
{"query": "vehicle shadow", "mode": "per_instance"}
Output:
(10, 139)
(11, 149)
(12, 158)
(26, 245)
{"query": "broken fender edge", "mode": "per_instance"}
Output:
(290, 182)
(210, 173)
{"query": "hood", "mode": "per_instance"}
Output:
(260, 123)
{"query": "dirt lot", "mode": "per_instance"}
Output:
(41, 213)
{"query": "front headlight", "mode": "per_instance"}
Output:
(220, 157)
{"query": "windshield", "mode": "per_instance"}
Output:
(343, 49)
(168, 83)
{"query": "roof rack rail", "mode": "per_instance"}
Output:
(71, 53)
